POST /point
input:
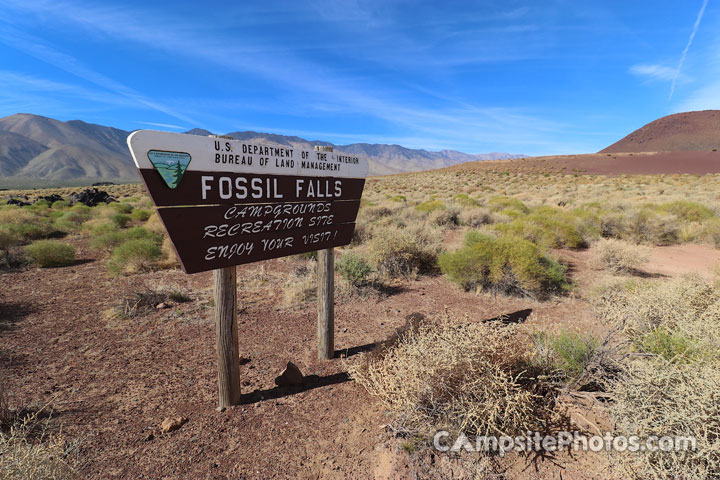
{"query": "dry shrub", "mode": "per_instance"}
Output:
(27, 454)
(660, 398)
(674, 387)
(405, 252)
(301, 285)
(618, 256)
(146, 301)
(468, 378)
(475, 217)
(688, 306)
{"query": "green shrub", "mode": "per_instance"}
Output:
(465, 200)
(134, 256)
(60, 205)
(121, 207)
(546, 227)
(668, 344)
(688, 211)
(506, 264)
(353, 268)
(398, 198)
(140, 214)
(499, 203)
(120, 220)
(50, 253)
(566, 353)
(432, 205)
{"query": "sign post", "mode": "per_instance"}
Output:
(227, 202)
(326, 296)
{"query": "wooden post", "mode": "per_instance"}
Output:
(326, 298)
(227, 336)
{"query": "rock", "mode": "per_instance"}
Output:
(18, 202)
(171, 424)
(50, 198)
(161, 305)
(220, 409)
(149, 437)
(290, 377)
(90, 197)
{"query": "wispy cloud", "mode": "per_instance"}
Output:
(696, 26)
(164, 125)
(654, 72)
(47, 53)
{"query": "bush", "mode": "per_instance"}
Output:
(25, 224)
(467, 378)
(500, 203)
(121, 207)
(50, 253)
(670, 345)
(618, 256)
(353, 268)
(120, 220)
(688, 307)
(504, 264)
(140, 214)
(545, 226)
(474, 217)
(655, 397)
(134, 256)
(566, 353)
(27, 457)
(405, 252)
(431, 206)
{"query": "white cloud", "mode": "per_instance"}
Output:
(654, 72)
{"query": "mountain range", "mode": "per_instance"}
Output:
(41, 151)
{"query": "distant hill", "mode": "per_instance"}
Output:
(41, 151)
(688, 131)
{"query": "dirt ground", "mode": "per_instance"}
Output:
(111, 382)
(638, 163)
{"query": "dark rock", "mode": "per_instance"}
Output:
(90, 197)
(290, 377)
(49, 198)
(18, 202)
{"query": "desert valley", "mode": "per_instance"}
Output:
(576, 293)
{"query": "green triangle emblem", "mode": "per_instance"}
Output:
(170, 165)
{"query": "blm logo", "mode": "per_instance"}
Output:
(170, 165)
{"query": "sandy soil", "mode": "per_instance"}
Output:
(112, 381)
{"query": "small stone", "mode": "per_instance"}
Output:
(150, 436)
(290, 377)
(161, 305)
(171, 424)
(220, 409)
(344, 330)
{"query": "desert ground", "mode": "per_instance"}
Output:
(108, 357)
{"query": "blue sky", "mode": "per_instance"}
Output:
(553, 77)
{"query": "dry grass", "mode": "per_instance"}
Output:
(673, 386)
(656, 397)
(441, 374)
(618, 256)
(688, 306)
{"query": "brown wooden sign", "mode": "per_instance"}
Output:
(211, 188)
(205, 237)
(229, 202)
